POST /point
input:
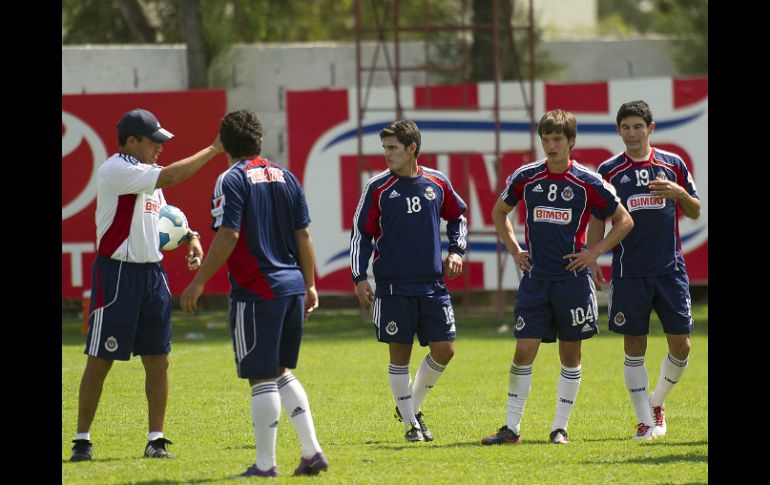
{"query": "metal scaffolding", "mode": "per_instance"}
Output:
(384, 22)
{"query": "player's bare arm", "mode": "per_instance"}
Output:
(505, 230)
(187, 167)
(221, 248)
(621, 225)
(594, 234)
(669, 189)
(364, 293)
(306, 259)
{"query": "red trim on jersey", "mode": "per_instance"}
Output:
(592, 199)
(372, 225)
(244, 268)
(627, 163)
(259, 162)
(450, 209)
(120, 227)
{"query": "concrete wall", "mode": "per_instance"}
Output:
(257, 76)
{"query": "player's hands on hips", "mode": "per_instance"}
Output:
(194, 254)
(523, 261)
(364, 293)
(453, 265)
(311, 301)
(189, 299)
(579, 261)
(598, 276)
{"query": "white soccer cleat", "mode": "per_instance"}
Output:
(659, 419)
(644, 432)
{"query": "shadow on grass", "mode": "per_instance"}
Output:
(660, 460)
(347, 324)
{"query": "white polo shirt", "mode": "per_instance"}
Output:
(127, 208)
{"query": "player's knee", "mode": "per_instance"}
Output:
(443, 356)
(681, 348)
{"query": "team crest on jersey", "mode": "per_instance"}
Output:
(567, 194)
(519, 323)
(661, 176)
(391, 328)
(645, 201)
(430, 194)
(538, 188)
(620, 319)
(625, 179)
(554, 215)
(111, 344)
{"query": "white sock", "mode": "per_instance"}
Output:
(265, 411)
(519, 384)
(83, 436)
(154, 435)
(424, 380)
(401, 386)
(566, 392)
(671, 370)
(297, 407)
(635, 374)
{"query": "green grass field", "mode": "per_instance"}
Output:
(344, 371)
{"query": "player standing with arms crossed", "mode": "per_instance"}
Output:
(556, 298)
(648, 270)
(131, 308)
(398, 219)
(262, 223)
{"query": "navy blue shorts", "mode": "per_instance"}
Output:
(564, 309)
(266, 335)
(130, 310)
(398, 318)
(632, 300)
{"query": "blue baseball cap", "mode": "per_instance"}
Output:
(141, 122)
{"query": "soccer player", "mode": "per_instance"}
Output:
(556, 298)
(648, 269)
(131, 307)
(262, 223)
(398, 219)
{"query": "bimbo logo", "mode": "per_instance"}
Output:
(553, 215)
(645, 201)
(75, 131)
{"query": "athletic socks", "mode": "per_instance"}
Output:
(671, 370)
(401, 386)
(566, 392)
(426, 377)
(265, 411)
(297, 407)
(635, 374)
(519, 384)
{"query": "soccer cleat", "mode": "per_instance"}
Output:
(558, 437)
(659, 418)
(313, 465)
(644, 432)
(420, 419)
(253, 471)
(504, 435)
(414, 435)
(157, 449)
(81, 450)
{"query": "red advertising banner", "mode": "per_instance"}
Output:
(89, 136)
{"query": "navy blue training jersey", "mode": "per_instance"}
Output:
(399, 220)
(652, 247)
(265, 203)
(559, 206)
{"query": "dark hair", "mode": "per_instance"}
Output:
(406, 131)
(124, 138)
(634, 108)
(241, 133)
(558, 121)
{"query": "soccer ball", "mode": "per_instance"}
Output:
(172, 227)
